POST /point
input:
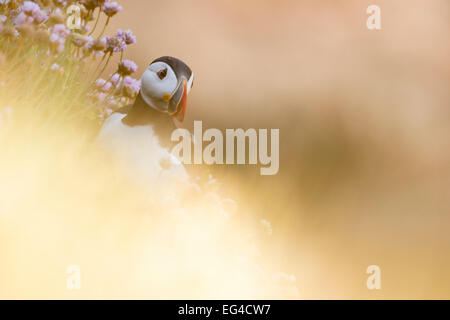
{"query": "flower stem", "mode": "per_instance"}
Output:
(98, 66)
(104, 67)
(104, 28)
(96, 22)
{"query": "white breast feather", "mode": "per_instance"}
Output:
(139, 152)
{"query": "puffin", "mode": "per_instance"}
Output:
(138, 136)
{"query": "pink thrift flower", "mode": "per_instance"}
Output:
(111, 8)
(127, 36)
(127, 67)
(115, 44)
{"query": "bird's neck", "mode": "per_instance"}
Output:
(141, 114)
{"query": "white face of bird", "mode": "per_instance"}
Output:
(163, 91)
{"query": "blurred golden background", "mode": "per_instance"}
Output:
(364, 123)
(364, 120)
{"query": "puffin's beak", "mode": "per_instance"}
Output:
(178, 101)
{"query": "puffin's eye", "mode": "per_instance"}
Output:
(162, 73)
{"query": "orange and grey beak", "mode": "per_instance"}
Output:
(178, 101)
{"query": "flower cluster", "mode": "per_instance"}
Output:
(111, 8)
(45, 22)
(30, 12)
(127, 36)
(131, 87)
(91, 5)
(115, 44)
(126, 67)
(95, 46)
(118, 89)
(59, 34)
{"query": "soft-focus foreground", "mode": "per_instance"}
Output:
(364, 168)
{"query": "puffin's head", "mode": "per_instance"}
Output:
(166, 84)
